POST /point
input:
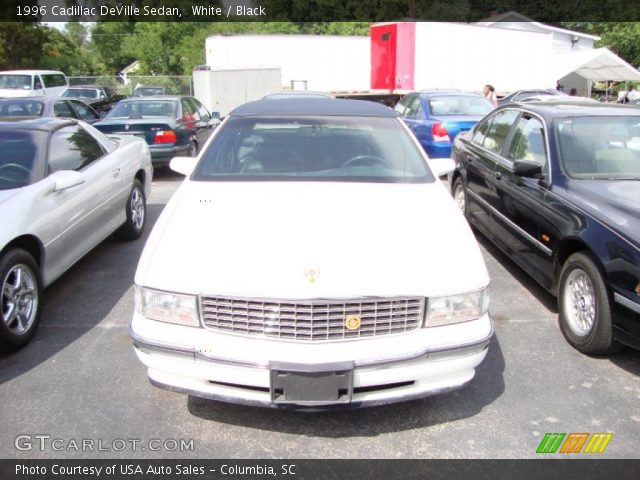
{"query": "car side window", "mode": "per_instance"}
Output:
(202, 110)
(37, 84)
(54, 80)
(72, 148)
(401, 106)
(527, 142)
(188, 113)
(415, 108)
(499, 129)
(481, 132)
(62, 109)
(84, 111)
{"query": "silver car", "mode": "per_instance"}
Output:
(64, 187)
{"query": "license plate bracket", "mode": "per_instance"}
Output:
(311, 385)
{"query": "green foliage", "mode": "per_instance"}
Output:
(20, 45)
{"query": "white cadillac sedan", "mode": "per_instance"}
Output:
(64, 187)
(311, 258)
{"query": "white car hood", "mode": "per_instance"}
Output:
(266, 239)
(7, 194)
(14, 93)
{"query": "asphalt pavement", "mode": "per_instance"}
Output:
(79, 380)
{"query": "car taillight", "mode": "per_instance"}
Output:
(167, 136)
(440, 134)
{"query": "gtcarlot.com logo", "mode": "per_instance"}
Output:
(574, 443)
(44, 443)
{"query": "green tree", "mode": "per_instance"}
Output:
(20, 45)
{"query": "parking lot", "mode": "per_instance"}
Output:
(79, 379)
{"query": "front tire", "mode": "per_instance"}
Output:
(136, 211)
(459, 194)
(584, 307)
(20, 295)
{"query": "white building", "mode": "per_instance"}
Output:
(575, 63)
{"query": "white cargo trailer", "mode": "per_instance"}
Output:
(222, 90)
(308, 62)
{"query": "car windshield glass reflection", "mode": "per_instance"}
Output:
(88, 93)
(18, 153)
(144, 108)
(22, 82)
(459, 105)
(313, 149)
(600, 147)
(20, 108)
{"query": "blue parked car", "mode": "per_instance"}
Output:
(437, 117)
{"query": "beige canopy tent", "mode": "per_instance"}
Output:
(579, 69)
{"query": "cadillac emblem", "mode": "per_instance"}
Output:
(312, 274)
(352, 322)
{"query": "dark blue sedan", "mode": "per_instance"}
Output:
(556, 186)
(437, 117)
(171, 125)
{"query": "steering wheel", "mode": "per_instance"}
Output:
(15, 166)
(365, 160)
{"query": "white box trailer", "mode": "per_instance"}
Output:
(222, 90)
(425, 55)
(308, 62)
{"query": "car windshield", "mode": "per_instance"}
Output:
(459, 105)
(20, 108)
(148, 91)
(600, 147)
(22, 82)
(351, 149)
(144, 108)
(88, 93)
(18, 154)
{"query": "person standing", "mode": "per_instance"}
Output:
(490, 94)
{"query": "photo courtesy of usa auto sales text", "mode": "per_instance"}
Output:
(133, 469)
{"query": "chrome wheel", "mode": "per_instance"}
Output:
(137, 208)
(458, 196)
(19, 299)
(579, 302)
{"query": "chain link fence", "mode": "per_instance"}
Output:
(174, 85)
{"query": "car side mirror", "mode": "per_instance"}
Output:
(66, 179)
(183, 165)
(441, 167)
(526, 168)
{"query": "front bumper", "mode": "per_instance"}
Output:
(235, 369)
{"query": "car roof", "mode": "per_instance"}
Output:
(139, 87)
(47, 124)
(314, 107)
(30, 72)
(40, 98)
(558, 108)
(154, 97)
(84, 86)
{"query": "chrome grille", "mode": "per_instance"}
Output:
(313, 320)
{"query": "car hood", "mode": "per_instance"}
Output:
(14, 93)
(312, 240)
(7, 194)
(613, 202)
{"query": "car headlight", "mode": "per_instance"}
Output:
(457, 308)
(167, 307)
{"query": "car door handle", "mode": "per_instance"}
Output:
(116, 172)
(498, 175)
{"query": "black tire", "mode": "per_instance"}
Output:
(132, 227)
(10, 339)
(193, 149)
(596, 339)
(458, 188)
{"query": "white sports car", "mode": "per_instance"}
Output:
(64, 187)
(312, 258)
